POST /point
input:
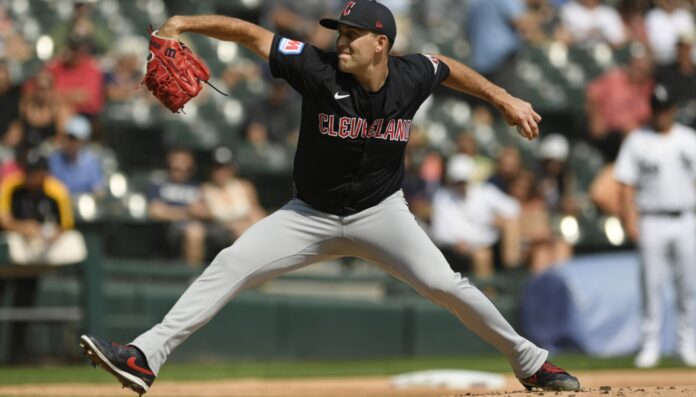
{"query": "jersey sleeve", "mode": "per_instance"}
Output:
(298, 63)
(427, 71)
(626, 168)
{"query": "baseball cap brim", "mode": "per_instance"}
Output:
(331, 23)
(662, 106)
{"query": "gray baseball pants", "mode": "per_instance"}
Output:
(297, 235)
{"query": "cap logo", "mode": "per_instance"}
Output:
(349, 7)
(378, 25)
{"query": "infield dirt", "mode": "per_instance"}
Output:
(623, 383)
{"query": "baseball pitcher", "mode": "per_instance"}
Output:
(358, 104)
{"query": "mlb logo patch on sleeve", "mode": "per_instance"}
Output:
(290, 47)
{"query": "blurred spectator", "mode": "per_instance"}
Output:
(36, 210)
(665, 23)
(633, 14)
(421, 181)
(177, 200)
(545, 23)
(590, 22)
(241, 71)
(493, 29)
(9, 108)
(80, 26)
(8, 163)
(436, 13)
(431, 170)
(42, 112)
(508, 165)
(298, 19)
(275, 118)
(618, 102)
(680, 79)
(243, 79)
(483, 166)
(78, 78)
(556, 182)
(415, 189)
(6, 23)
(127, 71)
(541, 248)
(13, 47)
(605, 190)
(483, 127)
(402, 11)
(467, 221)
(36, 213)
(232, 201)
(74, 164)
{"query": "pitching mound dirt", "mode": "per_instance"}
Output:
(662, 383)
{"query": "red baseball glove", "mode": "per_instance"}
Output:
(174, 73)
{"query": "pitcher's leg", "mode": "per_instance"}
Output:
(285, 240)
(389, 235)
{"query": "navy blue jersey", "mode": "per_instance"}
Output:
(177, 194)
(350, 154)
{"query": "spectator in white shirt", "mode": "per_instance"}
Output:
(467, 221)
(665, 24)
(590, 22)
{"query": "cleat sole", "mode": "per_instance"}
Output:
(97, 358)
(567, 385)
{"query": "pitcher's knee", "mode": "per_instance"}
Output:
(227, 256)
(230, 265)
(238, 260)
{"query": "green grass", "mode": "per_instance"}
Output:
(287, 369)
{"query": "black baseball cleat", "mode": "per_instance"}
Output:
(126, 363)
(552, 378)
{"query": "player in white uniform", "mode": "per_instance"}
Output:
(657, 170)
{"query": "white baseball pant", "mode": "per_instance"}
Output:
(297, 235)
(668, 241)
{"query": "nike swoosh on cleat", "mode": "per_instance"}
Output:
(339, 96)
(131, 363)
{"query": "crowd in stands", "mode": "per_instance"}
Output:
(203, 218)
(490, 203)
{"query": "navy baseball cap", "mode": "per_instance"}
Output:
(661, 98)
(365, 14)
(35, 161)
